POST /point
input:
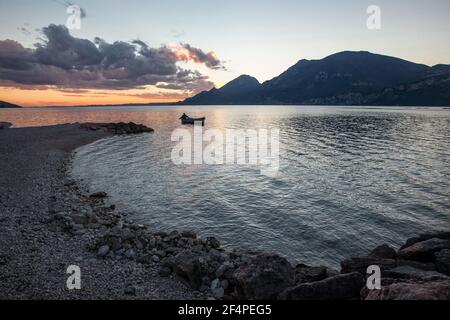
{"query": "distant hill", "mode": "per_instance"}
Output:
(345, 78)
(234, 92)
(4, 104)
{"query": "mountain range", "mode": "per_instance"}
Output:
(345, 78)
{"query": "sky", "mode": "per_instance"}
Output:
(166, 50)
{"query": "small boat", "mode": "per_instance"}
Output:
(185, 119)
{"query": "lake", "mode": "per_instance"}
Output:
(349, 178)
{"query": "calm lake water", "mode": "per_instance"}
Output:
(349, 180)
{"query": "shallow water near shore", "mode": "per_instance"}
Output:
(349, 180)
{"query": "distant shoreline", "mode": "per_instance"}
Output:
(223, 105)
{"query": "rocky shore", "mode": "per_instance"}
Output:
(49, 222)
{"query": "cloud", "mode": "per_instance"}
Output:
(189, 53)
(66, 62)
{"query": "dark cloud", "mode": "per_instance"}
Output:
(66, 62)
(197, 55)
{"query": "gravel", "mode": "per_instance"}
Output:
(37, 240)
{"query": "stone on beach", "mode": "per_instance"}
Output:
(384, 252)
(436, 290)
(427, 236)
(408, 272)
(186, 265)
(306, 273)
(103, 251)
(360, 264)
(264, 277)
(424, 251)
(341, 287)
(118, 128)
(443, 261)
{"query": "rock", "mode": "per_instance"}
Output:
(156, 259)
(437, 290)
(118, 128)
(341, 287)
(130, 254)
(215, 284)
(383, 252)
(130, 290)
(427, 236)
(332, 272)
(225, 284)
(103, 251)
(217, 289)
(127, 234)
(138, 244)
(417, 265)
(424, 251)
(174, 235)
(263, 278)
(408, 272)
(189, 234)
(442, 260)
(360, 264)
(186, 265)
(305, 273)
(213, 242)
(165, 272)
(98, 195)
(5, 125)
(218, 293)
(223, 269)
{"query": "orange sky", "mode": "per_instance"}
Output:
(52, 97)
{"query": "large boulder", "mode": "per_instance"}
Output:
(436, 290)
(341, 287)
(408, 272)
(383, 252)
(306, 273)
(443, 261)
(263, 277)
(360, 264)
(427, 236)
(424, 251)
(186, 265)
(418, 265)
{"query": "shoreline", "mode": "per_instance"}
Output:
(37, 245)
(122, 260)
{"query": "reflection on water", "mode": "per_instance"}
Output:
(349, 180)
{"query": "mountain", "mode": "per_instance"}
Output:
(4, 104)
(345, 78)
(234, 92)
